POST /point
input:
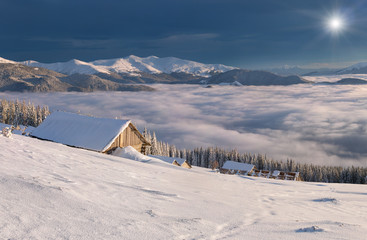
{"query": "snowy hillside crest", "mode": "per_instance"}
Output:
(133, 64)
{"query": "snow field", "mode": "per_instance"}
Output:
(51, 191)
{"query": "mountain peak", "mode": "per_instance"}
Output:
(358, 68)
(3, 60)
(76, 61)
(133, 57)
(155, 57)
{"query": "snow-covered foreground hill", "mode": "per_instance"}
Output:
(50, 191)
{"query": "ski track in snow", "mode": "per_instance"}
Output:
(51, 191)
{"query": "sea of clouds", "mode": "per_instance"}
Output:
(308, 123)
(334, 78)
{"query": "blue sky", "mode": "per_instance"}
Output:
(248, 34)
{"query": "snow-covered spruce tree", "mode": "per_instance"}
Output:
(39, 115)
(32, 115)
(147, 136)
(18, 118)
(4, 106)
(154, 145)
(11, 113)
(24, 110)
(19, 113)
(44, 112)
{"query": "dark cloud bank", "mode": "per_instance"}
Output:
(315, 124)
(244, 33)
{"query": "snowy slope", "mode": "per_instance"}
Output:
(71, 67)
(3, 60)
(359, 68)
(51, 191)
(133, 64)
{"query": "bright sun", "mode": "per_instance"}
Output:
(335, 24)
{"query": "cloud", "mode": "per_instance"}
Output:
(334, 78)
(329, 65)
(318, 124)
(190, 37)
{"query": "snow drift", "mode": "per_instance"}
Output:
(129, 153)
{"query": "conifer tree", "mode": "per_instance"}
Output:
(19, 113)
(154, 145)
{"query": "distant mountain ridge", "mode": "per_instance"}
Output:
(20, 78)
(359, 68)
(133, 65)
(115, 74)
(287, 70)
(345, 81)
(127, 74)
(254, 78)
(3, 60)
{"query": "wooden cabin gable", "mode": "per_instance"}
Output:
(129, 137)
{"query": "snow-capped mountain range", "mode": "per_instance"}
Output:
(133, 65)
(296, 70)
(359, 68)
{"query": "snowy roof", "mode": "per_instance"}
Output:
(80, 131)
(276, 173)
(238, 166)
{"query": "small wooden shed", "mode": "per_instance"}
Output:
(97, 134)
(186, 165)
(130, 136)
(294, 176)
(231, 167)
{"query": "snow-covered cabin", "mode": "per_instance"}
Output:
(175, 163)
(276, 174)
(232, 167)
(98, 134)
(187, 165)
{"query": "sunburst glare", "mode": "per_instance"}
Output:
(335, 24)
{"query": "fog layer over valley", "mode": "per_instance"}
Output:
(308, 123)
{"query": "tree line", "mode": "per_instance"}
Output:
(212, 157)
(21, 113)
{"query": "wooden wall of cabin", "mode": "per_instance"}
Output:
(128, 137)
